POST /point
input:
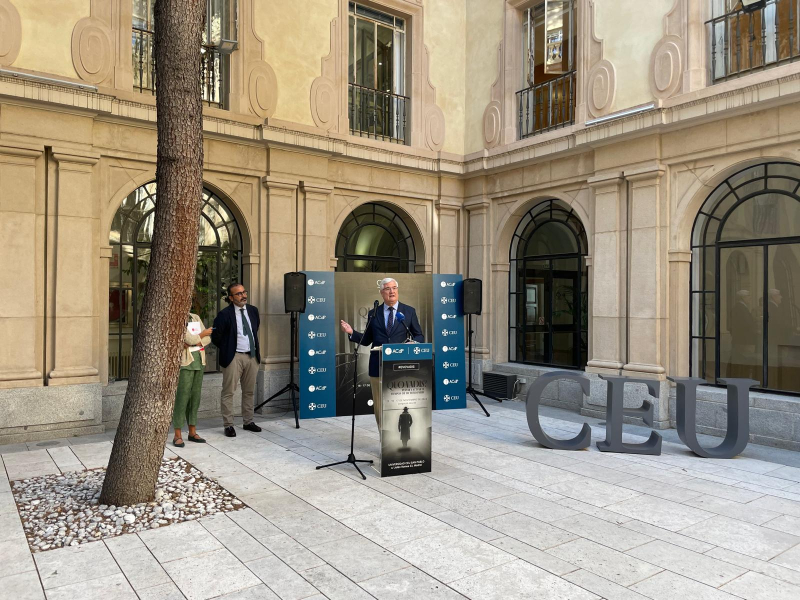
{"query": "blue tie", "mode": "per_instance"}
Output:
(390, 323)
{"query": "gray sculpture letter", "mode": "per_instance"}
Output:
(615, 410)
(738, 432)
(580, 441)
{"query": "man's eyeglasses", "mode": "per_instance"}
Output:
(389, 289)
(242, 293)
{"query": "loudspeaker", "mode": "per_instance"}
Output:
(472, 300)
(294, 292)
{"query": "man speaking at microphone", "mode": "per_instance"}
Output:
(394, 323)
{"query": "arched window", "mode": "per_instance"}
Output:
(548, 305)
(745, 320)
(219, 262)
(375, 239)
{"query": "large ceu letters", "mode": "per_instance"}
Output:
(580, 441)
(615, 410)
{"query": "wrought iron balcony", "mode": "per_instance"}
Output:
(546, 106)
(378, 115)
(212, 68)
(745, 40)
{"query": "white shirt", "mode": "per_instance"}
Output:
(386, 314)
(242, 341)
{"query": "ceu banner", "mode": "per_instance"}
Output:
(448, 342)
(406, 398)
(318, 347)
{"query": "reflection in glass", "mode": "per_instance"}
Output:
(375, 239)
(783, 318)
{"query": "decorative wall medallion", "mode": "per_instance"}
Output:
(263, 88)
(92, 50)
(666, 67)
(601, 88)
(434, 127)
(10, 33)
(324, 95)
(493, 114)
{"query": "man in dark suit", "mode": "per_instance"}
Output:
(236, 335)
(385, 328)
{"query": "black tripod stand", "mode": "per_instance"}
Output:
(471, 390)
(351, 458)
(290, 387)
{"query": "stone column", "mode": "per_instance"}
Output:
(73, 263)
(312, 226)
(647, 289)
(680, 262)
(22, 230)
(448, 226)
(479, 266)
(500, 301)
(278, 226)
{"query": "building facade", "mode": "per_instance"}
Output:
(623, 176)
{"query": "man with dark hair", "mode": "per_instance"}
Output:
(236, 335)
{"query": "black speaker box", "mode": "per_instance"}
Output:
(294, 292)
(472, 296)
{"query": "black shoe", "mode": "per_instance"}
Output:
(252, 427)
(230, 431)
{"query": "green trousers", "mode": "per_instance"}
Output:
(187, 398)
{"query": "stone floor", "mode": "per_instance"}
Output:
(499, 517)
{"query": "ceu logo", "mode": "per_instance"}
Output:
(312, 282)
(446, 332)
(313, 406)
(449, 365)
(317, 388)
(312, 370)
(314, 334)
(448, 300)
(314, 299)
(313, 317)
(417, 349)
(447, 398)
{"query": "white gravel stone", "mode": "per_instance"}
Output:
(64, 510)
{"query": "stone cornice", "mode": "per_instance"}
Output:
(707, 104)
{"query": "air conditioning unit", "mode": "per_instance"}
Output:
(500, 385)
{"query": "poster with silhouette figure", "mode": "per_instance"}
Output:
(407, 401)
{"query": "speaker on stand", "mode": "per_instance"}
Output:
(472, 304)
(294, 302)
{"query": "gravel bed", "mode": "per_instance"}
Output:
(65, 510)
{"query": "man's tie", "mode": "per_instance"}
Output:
(390, 322)
(248, 333)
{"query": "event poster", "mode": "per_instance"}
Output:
(406, 404)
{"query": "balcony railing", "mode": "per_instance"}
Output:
(378, 115)
(212, 68)
(746, 40)
(546, 106)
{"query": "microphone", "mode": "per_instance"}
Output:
(402, 319)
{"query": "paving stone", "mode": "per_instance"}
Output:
(179, 541)
(615, 566)
(759, 566)
(111, 587)
(537, 558)
(165, 591)
(469, 526)
(734, 510)
(534, 506)
(600, 586)
(529, 530)
(281, 579)
(209, 575)
(15, 557)
(140, 567)
(408, 583)
(480, 486)
(519, 580)
(602, 532)
(661, 513)
(779, 505)
(241, 544)
(755, 586)
(257, 592)
(363, 559)
(591, 491)
(752, 540)
(668, 536)
(75, 564)
(395, 525)
(693, 565)
(670, 586)
(786, 524)
(334, 585)
(22, 586)
(789, 559)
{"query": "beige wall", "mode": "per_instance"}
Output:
(630, 32)
(296, 34)
(445, 30)
(484, 34)
(47, 34)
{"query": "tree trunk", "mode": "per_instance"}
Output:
(146, 414)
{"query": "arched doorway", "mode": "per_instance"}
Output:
(548, 288)
(745, 318)
(375, 239)
(219, 262)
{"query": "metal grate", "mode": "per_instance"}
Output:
(500, 385)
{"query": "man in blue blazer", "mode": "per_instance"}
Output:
(385, 328)
(236, 335)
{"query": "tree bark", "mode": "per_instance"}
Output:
(146, 413)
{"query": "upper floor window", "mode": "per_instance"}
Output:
(219, 40)
(752, 34)
(378, 107)
(547, 98)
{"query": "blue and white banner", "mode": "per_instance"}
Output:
(318, 348)
(448, 343)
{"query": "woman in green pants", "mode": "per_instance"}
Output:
(190, 381)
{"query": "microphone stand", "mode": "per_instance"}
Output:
(351, 458)
(409, 337)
